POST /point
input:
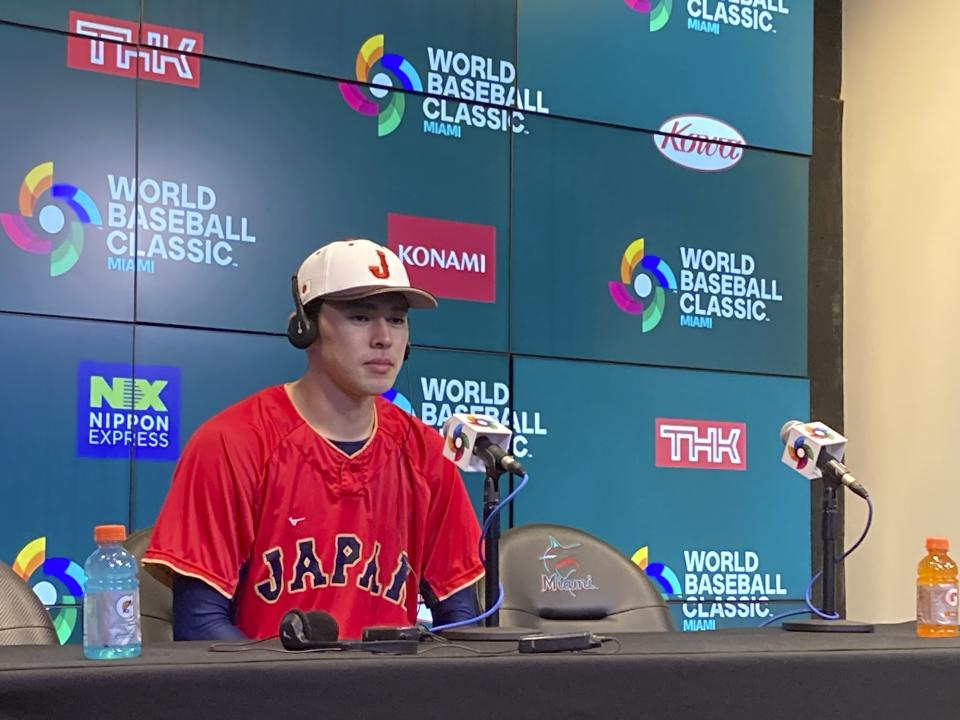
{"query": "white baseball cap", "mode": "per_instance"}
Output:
(357, 268)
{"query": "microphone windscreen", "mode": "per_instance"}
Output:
(321, 626)
(785, 430)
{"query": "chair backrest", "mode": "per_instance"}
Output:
(156, 599)
(565, 580)
(23, 618)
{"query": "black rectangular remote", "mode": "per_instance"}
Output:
(557, 642)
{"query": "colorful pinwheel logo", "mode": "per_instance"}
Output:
(819, 432)
(458, 442)
(659, 11)
(398, 399)
(58, 582)
(39, 204)
(667, 581)
(800, 452)
(381, 71)
(480, 422)
(648, 284)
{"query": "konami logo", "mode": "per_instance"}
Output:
(131, 49)
(704, 444)
(700, 143)
(455, 260)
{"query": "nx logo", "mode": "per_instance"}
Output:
(701, 444)
(124, 409)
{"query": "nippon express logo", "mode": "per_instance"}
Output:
(120, 407)
(454, 260)
(146, 222)
(57, 581)
(711, 285)
(135, 50)
(459, 78)
(658, 10)
(700, 444)
(51, 219)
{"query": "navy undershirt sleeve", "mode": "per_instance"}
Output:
(201, 613)
(461, 605)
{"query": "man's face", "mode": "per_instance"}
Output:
(362, 342)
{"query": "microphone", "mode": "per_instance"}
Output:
(319, 630)
(815, 450)
(479, 443)
(307, 631)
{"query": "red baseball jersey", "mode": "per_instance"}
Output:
(257, 488)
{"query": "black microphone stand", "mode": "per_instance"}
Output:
(829, 569)
(491, 629)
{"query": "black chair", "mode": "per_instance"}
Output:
(23, 618)
(565, 580)
(156, 599)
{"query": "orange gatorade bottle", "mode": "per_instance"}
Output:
(937, 591)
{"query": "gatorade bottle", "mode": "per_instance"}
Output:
(111, 602)
(937, 591)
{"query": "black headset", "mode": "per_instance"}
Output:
(301, 330)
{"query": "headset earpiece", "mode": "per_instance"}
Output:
(406, 353)
(301, 330)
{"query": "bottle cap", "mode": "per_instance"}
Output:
(938, 543)
(109, 533)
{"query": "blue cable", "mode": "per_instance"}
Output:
(483, 533)
(807, 595)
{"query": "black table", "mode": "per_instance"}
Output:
(767, 674)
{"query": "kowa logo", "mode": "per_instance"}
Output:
(454, 260)
(711, 16)
(700, 143)
(658, 10)
(458, 78)
(42, 227)
(562, 569)
(120, 407)
(703, 444)
(713, 284)
(134, 50)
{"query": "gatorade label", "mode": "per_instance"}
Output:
(937, 604)
(117, 618)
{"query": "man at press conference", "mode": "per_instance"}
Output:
(319, 494)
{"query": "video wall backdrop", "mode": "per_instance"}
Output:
(608, 196)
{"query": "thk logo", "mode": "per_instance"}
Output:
(454, 260)
(131, 49)
(704, 444)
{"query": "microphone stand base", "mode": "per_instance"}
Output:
(488, 634)
(828, 626)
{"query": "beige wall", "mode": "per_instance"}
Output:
(901, 201)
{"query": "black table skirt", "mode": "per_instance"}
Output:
(769, 674)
